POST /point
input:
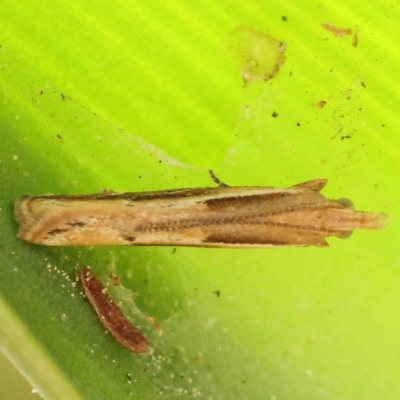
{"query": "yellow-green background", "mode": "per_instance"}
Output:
(142, 95)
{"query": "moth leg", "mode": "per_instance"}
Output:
(346, 203)
(315, 185)
(216, 180)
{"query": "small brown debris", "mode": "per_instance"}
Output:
(110, 314)
(275, 114)
(355, 40)
(348, 93)
(114, 278)
(321, 104)
(284, 18)
(338, 32)
(197, 358)
(157, 326)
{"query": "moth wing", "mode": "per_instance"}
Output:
(321, 243)
(316, 185)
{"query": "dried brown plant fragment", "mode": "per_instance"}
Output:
(110, 314)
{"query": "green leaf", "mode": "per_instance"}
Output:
(135, 96)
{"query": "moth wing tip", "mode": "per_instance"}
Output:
(320, 242)
(323, 243)
(316, 185)
(18, 210)
(377, 220)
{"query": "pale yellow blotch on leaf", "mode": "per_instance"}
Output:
(258, 55)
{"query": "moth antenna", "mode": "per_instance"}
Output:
(216, 180)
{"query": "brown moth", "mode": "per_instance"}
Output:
(110, 314)
(224, 216)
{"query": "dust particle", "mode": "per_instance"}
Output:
(157, 326)
(114, 278)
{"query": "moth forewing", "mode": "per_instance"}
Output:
(206, 217)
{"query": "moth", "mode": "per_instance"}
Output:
(222, 216)
(110, 314)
